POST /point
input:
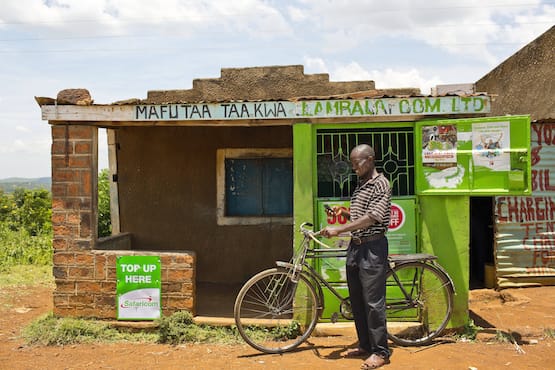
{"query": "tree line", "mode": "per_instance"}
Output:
(26, 224)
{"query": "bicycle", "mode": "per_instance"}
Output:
(277, 309)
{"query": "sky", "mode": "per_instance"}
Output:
(121, 49)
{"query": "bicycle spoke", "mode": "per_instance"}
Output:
(274, 314)
(419, 303)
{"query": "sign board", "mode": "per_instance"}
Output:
(525, 226)
(315, 108)
(138, 288)
(480, 156)
(401, 234)
(268, 110)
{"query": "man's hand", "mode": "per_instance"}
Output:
(329, 231)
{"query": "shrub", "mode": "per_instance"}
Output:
(104, 221)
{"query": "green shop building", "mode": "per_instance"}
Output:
(214, 181)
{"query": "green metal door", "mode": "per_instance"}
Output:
(335, 182)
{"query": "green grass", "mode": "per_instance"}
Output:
(50, 331)
(18, 247)
(26, 275)
(549, 333)
(180, 328)
(175, 329)
(469, 332)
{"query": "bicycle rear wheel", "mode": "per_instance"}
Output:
(274, 314)
(419, 303)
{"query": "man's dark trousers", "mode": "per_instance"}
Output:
(366, 267)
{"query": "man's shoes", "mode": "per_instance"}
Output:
(373, 362)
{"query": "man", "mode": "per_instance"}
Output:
(366, 263)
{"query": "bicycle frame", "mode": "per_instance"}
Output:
(259, 303)
(393, 261)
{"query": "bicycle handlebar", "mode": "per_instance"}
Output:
(307, 231)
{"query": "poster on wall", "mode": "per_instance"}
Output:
(439, 146)
(439, 155)
(485, 156)
(491, 142)
(138, 287)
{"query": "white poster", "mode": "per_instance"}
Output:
(439, 146)
(491, 142)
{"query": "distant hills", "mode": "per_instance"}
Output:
(10, 184)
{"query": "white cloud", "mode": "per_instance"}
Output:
(384, 79)
(39, 145)
(169, 17)
(22, 128)
(465, 27)
(296, 14)
(315, 65)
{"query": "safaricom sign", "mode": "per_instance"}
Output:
(315, 108)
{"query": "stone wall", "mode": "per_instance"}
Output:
(259, 83)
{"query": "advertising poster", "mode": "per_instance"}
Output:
(439, 156)
(491, 142)
(138, 287)
(401, 234)
(439, 146)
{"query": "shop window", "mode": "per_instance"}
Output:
(255, 186)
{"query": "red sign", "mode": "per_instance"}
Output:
(397, 217)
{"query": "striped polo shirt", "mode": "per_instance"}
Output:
(374, 199)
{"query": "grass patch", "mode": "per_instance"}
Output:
(50, 331)
(26, 275)
(504, 337)
(18, 247)
(549, 333)
(175, 329)
(180, 328)
(469, 332)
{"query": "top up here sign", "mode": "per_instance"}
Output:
(138, 287)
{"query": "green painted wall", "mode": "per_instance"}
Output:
(303, 205)
(444, 220)
(445, 232)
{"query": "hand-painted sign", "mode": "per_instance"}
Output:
(525, 226)
(314, 109)
(138, 287)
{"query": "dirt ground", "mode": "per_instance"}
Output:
(525, 313)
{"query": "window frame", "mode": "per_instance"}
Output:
(245, 153)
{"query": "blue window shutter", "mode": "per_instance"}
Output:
(278, 187)
(243, 187)
(259, 187)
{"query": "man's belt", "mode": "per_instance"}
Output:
(365, 239)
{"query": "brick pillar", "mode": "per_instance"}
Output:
(74, 222)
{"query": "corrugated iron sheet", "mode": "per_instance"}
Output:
(525, 226)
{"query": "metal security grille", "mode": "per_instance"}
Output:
(394, 158)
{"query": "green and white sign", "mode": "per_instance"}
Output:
(138, 288)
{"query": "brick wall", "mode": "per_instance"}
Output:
(86, 278)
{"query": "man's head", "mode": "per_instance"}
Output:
(362, 160)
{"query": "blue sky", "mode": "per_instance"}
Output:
(120, 49)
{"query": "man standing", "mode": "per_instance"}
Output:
(366, 263)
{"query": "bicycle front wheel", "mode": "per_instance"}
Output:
(274, 314)
(419, 303)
